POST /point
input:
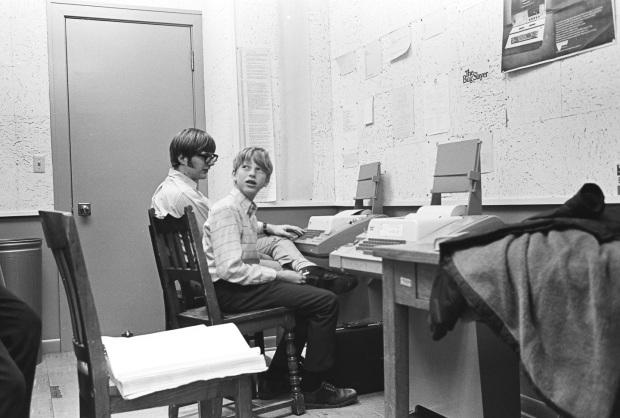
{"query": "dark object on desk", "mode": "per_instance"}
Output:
(359, 357)
(549, 287)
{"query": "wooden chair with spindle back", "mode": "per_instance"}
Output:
(180, 261)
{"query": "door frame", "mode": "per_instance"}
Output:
(57, 14)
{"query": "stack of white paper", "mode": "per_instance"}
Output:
(163, 360)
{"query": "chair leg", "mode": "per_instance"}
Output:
(173, 411)
(259, 341)
(243, 397)
(88, 409)
(210, 408)
(298, 406)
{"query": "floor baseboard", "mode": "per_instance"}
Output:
(50, 346)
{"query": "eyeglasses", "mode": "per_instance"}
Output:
(208, 157)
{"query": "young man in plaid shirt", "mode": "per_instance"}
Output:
(230, 241)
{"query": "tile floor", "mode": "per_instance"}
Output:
(55, 395)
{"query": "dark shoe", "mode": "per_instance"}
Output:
(271, 387)
(329, 396)
(325, 278)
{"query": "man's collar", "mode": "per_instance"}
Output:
(246, 204)
(176, 174)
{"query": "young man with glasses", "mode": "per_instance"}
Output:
(192, 154)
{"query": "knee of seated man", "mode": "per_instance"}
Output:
(31, 323)
(329, 300)
(13, 384)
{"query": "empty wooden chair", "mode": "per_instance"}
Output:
(180, 260)
(98, 397)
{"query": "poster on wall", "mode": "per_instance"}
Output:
(257, 109)
(539, 31)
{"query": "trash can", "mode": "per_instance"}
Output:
(20, 260)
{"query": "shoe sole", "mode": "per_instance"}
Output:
(327, 406)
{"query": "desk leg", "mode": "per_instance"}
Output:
(395, 349)
(499, 375)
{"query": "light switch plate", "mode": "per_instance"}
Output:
(38, 163)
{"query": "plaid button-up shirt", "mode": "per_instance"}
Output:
(229, 240)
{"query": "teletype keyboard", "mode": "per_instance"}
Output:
(326, 233)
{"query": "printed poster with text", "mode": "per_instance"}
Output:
(538, 31)
(257, 109)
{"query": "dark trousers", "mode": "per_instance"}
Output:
(316, 313)
(20, 338)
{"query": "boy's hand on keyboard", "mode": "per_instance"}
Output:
(287, 231)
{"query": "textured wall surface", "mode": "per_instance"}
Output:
(25, 131)
(552, 127)
(230, 25)
(297, 37)
(321, 102)
(24, 101)
(220, 68)
(24, 107)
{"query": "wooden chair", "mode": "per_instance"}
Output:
(180, 259)
(98, 397)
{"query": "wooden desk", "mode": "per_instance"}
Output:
(469, 373)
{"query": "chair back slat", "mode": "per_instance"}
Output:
(178, 252)
(62, 238)
(171, 303)
(213, 306)
(189, 249)
(72, 300)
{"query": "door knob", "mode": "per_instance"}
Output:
(84, 209)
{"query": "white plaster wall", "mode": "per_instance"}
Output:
(24, 107)
(229, 25)
(321, 110)
(257, 26)
(553, 127)
(24, 92)
(24, 88)
(297, 36)
(221, 90)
